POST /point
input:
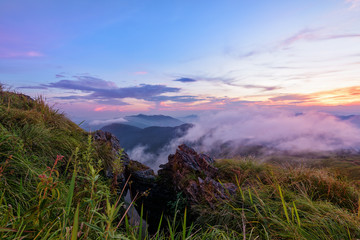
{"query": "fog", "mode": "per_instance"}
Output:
(278, 130)
(107, 122)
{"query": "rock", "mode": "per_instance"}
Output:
(108, 137)
(186, 170)
(151, 193)
(109, 147)
(142, 178)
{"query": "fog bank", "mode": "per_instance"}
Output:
(278, 130)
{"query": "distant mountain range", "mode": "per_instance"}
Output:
(139, 121)
(156, 131)
(154, 138)
(354, 119)
(144, 121)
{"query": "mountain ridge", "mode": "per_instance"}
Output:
(153, 137)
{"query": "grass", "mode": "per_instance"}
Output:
(53, 186)
(286, 203)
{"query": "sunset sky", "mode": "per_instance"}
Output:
(104, 59)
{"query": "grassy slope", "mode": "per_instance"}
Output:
(39, 189)
(76, 201)
(287, 203)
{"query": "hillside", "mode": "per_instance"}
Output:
(49, 172)
(59, 182)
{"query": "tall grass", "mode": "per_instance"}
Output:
(286, 203)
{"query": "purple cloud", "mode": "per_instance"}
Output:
(33, 87)
(185, 80)
(106, 92)
(264, 88)
(143, 91)
(59, 76)
(303, 35)
(314, 35)
(84, 83)
(5, 53)
(184, 99)
(249, 54)
(290, 97)
(341, 36)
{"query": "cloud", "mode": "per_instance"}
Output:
(339, 96)
(84, 83)
(184, 99)
(249, 54)
(314, 35)
(59, 75)
(20, 54)
(264, 88)
(272, 130)
(141, 73)
(354, 4)
(107, 92)
(306, 35)
(115, 102)
(143, 91)
(185, 80)
(107, 122)
(290, 97)
(229, 81)
(329, 37)
(279, 129)
(33, 87)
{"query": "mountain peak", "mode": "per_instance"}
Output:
(143, 121)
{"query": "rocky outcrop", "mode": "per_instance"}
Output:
(108, 138)
(142, 177)
(186, 172)
(195, 175)
(109, 148)
(151, 193)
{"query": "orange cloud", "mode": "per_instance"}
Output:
(99, 109)
(335, 97)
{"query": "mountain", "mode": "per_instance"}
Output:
(190, 118)
(154, 138)
(354, 119)
(143, 121)
(140, 121)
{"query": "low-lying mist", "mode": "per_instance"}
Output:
(228, 133)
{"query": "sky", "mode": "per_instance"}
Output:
(105, 59)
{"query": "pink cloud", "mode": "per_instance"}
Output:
(353, 3)
(34, 54)
(99, 109)
(140, 73)
(306, 34)
(19, 54)
(316, 35)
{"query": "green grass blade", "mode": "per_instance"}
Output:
(284, 204)
(159, 227)
(75, 227)
(297, 215)
(141, 221)
(184, 226)
(71, 193)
